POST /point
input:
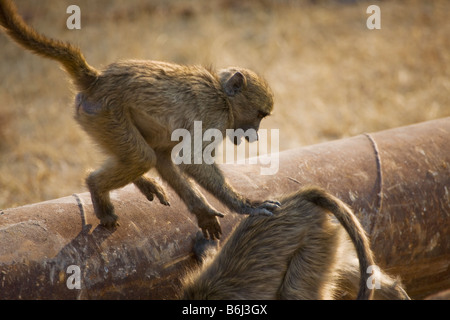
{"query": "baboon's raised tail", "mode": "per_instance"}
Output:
(353, 227)
(69, 56)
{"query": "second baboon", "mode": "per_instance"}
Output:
(298, 253)
(131, 109)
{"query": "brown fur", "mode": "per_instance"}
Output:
(298, 253)
(131, 108)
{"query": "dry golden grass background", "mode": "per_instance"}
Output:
(332, 77)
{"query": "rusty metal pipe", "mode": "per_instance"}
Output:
(397, 181)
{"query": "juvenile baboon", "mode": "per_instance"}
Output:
(298, 253)
(131, 108)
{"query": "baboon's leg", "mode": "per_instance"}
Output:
(150, 187)
(112, 175)
(195, 201)
(310, 272)
(132, 158)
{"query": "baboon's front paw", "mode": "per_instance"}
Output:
(210, 225)
(270, 205)
(110, 222)
(265, 208)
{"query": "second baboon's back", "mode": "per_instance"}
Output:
(287, 256)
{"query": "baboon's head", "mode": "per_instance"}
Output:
(251, 100)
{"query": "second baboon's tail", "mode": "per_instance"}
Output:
(69, 56)
(353, 227)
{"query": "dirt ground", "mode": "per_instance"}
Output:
(332, 77)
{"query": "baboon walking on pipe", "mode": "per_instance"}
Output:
(131, 108)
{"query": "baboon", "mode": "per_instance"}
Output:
(298, 253)
(131, 108)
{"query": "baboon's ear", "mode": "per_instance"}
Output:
(235, 84)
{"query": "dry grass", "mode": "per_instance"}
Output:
(332, 77)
